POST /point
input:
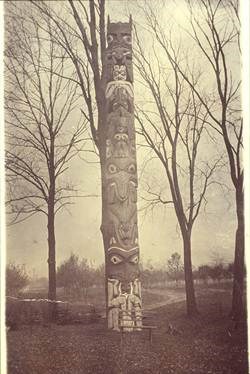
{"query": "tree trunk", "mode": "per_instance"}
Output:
(189, 282)
(104, 209)
(238, 283)
(51, 258)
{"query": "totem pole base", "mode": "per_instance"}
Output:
(125, 311)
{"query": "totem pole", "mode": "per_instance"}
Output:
(119, 226)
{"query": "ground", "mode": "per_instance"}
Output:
(208, 344)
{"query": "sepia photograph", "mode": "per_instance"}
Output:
(124, 197)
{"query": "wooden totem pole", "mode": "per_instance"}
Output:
(119, 224)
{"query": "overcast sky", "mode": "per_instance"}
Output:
(77, 230)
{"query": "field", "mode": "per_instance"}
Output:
(210, 343)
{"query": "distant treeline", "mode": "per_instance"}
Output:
(204, 273)
(75, 276)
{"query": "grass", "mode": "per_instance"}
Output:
(208, 344)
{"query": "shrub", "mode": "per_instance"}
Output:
(16, 279)
(75, 276)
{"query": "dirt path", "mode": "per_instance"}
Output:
(172, 296)
(169, 297)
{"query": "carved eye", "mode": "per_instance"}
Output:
(127, 39)
(115, 259)
(131, 168)
(118, 137)
(134, 259)
(109, 38)
(112, 169)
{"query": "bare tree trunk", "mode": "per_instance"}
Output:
(52, 256)
(238, 284)
(51, 262)
(51, 234)
(189, 282)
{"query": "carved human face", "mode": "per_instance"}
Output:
(123, 264)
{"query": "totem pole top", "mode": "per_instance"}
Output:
(120, 25)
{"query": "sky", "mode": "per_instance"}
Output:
(78, 228)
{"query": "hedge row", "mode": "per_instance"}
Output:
(37, 311)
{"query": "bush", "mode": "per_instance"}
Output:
(16, 279)
(75, 276)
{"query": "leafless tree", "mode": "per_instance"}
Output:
(172, 121)
(80, 31)
(42, 133)
(216, 30)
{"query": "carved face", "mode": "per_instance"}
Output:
(123, 264)
(119, 33)
(120, 137)
(119, 38)
(121, 148)
(121, 179)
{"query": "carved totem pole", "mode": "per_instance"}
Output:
(119, 224)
